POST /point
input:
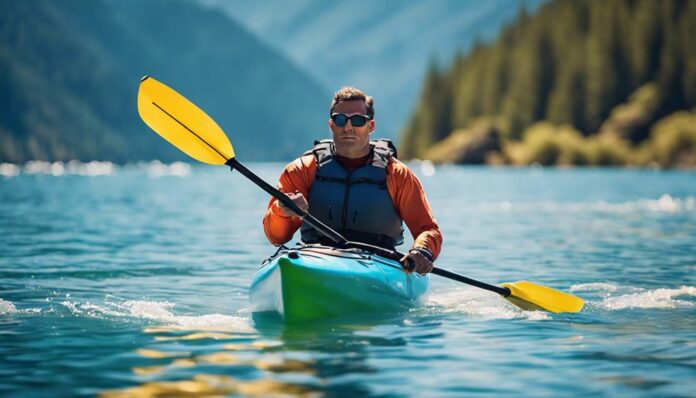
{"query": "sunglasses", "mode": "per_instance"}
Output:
(340, 119)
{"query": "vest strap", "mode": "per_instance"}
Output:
(384, 241)
(323, 151)
(381, 149)
(364, 180)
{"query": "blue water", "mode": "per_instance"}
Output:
(133, 282)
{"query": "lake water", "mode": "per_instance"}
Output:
(133, 281)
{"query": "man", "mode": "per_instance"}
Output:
(357, 187)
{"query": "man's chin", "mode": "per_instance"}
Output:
(350, 148)
(346, 144)
(349, 144)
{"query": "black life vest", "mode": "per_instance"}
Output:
(356, 204)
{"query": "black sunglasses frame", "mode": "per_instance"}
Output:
(364, 117)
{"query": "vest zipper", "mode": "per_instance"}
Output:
(346, 193)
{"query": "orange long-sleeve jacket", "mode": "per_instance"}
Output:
(404, 188)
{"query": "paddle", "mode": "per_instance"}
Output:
(195, 133)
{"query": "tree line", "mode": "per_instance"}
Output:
(579, 82)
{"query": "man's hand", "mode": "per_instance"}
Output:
(421, 264)
(299, 200)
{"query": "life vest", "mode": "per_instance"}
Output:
(356, 204)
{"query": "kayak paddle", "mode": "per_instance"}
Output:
(190, 129)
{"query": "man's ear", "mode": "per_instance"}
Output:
(373, 124)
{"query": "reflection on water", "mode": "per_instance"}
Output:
(640, 382)
(134, 283)
(279, 360)
(174, 349)
(205, 385)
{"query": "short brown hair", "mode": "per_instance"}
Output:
(348, 93)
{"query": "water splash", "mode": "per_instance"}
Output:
(154, 169)
(159, 311)
(157, 169)
(598, 286)
(616, 297)
(664, 204)
(72, 167)
(427, 168)
(479, 304)
(6, 307)
(9, 170)
(656, 298)
(610, 297)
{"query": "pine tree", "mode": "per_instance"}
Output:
(572, 62)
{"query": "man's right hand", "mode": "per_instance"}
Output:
(299, 200)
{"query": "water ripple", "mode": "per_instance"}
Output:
(134, 282)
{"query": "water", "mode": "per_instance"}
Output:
(133, 282)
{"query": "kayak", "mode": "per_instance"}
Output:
(315, 282)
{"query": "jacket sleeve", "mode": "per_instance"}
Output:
(413, 207)
(296, 177)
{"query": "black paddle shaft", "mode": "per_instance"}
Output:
(284, 199)
(503, 291)
(341, 241)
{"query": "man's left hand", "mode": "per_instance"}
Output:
(421, 264)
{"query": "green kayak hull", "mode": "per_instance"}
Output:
(318, 282)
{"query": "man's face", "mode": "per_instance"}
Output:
(352, 141)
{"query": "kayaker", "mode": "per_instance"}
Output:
(356, 186)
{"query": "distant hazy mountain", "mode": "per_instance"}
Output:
(383, 47)
(69, 73)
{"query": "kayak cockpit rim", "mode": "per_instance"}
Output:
(317, 250)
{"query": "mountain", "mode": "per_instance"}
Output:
(69, 74)
(578, 82)
(383, 47)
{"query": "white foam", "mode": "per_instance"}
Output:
(480, 304)
(157, 169)
(590, 287)
(37, 167)
(427, 168)
(155, 310)
(71, 306)
(6, 307)
(656, 298)
(162, 311)
(664, 204)
(73, 167)
(153, 169)
(668, 204)
(9, 170)
(92, 168)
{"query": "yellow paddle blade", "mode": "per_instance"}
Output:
(182, 123)
(528, 295)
